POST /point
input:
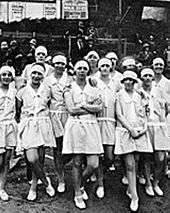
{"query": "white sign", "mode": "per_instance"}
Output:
(75, 9)
(16, 11)
(50, 11)
(157, 13)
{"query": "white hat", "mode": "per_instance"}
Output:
(158, 60)
(38, 68)
(129, 74)
(81, 63)
(147, 71)
(59, 58)
(41, 49)
(92, 53)
(104, 61)
(111, 55)
(129, 61)
(7, 68)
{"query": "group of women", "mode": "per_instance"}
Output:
(96, 112)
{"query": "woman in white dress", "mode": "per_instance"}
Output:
(82, 136)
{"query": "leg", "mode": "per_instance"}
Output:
(28, 167)
(159, 157)
(108, 155)
(58, 161)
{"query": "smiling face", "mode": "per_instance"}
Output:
(36, 77)
(129, 84)
(6, 78)
(147, 79)
(158, 68)
(92, 59)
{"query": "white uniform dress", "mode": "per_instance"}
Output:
(107, 117)
(58, 111)
(157, 124)
(35, 128)
(133, 113)
(82, 133)
(8, 125)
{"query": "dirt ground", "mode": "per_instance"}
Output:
(115, 200)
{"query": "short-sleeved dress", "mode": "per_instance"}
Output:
(82, 132)
(58, 111)
(157, 124)
(107, 116)
(133, 112)
(8, 125)
(35, 128)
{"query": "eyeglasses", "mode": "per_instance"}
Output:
(6, 74)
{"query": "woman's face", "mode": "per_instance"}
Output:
(147, 79)
(105, 70)
(81, 72)
(36, 77)
(59, 67)
(129, 84)
(92, 59)
(40, 57)
(6, 78)
(158, 68)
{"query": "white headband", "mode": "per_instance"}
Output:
(41, 49)
(9, 69)
(111, 55)
(129, 61)
(147, 71)
(37, 68)
(158, 60)
(59, 58)
(129, 74)
(104, 61)
(92, 53)
(81, 63)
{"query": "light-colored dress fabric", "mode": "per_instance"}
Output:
(157, 124)
(8, 125)
(35, 128)
(106, 118)
(58, 112)
(82, 133)
(133, 112)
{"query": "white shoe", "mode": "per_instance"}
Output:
(125, 180)
(112, 168)
(3, 195)
(84, 194)
(100, 192)
(93, 178)
(158, 190)
(142, 180)
(49, 189)
(32, 195)
(61, 187)
(79, 202)
(134, 205)
(149, 191)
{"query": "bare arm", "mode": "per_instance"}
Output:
(72, 109)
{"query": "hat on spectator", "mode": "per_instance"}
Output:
(81, 63)
(92, 53)
(158, 61)
(112, 55)
(7, 68)
(38, 68)
(129, 61)
(129, 74)
(145, 45)
(147, 70)
(59, 58)
(103, 61)
(41, 49)
(33, 41)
